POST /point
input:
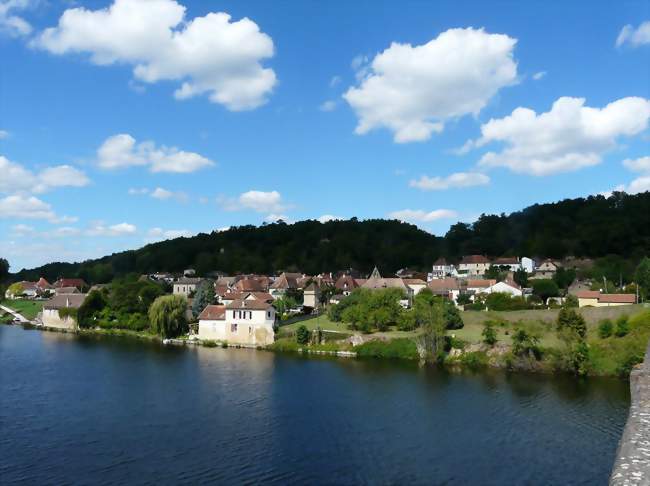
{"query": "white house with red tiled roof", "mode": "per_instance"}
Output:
(243, 322)
(473, 265)
(595, 298)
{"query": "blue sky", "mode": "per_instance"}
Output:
(136, 120)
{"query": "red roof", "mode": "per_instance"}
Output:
(481, 283)
(213, 313)
(588, 294)
(444, 284)
(474, 259)
(70, 282)
(617, 298)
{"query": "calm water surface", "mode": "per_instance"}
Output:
(109, 411)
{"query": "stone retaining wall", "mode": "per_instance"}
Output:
(632, 466)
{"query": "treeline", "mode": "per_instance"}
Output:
(614, 230)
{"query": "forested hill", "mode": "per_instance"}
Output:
(592, 227)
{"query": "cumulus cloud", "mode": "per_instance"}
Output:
(420, 216)
(568, 137)
(642, 164)
(413, 90)
(16, 178)
(329, 217)
(25, 207)
(122, 150)
(207, 55)
(641, 183)
(456, 180)
(273, 218)
(160, 193)
(634, 37)
(10, 23)
(120, 229)
(259, 201)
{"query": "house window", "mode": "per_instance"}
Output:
(233, 327)
(268, 314)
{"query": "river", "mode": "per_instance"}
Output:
(85, 410)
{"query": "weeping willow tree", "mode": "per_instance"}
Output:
(431, 343)
(167, 315)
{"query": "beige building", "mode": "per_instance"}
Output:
(311, 296)
(185, 286)
(473, 265)
(53, 316)
(244, 322)
(594, 298)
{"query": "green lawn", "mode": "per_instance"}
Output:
(28, 308)
(321, 321)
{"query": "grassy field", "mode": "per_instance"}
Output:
(28, 308)
(311, 324)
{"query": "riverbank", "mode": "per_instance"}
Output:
(613, 356)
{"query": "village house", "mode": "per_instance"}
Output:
(79, 283)
(415, 284)
(186, 285)
(230, 297)
(54, 314)
(594, 298)
(346, 284)
(311, 296)
(376, 281)
(441, 269)
(242, 322)
(447, 287)
(286, 281)
(546, 269)
(505, 287)
(251, 284)
(473, 265)
(24, 289)
(511, 264)
(478, 286)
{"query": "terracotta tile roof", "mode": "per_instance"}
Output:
(213, 313)
(286, 281)
(43, 284)
(62, 301)
(444, 284)
(414, 281)
(474, 259)
(249, 285)
(382, 283)
(479, 283)
(440, 262)
(248, 304)
(588, 294)
(506, 261)
(346, 283)
(617, 298)
(70, 282)
(66, 290)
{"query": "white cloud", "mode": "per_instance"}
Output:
(328, 105)
(414, 90)
(259, 201)
(159, 234)
(19, 230)
(25, 207)
(419, 216)
(568, 137)
(640, 184)
(120, 229)
(121, 151)
(272, 218)
(634, 37)
(329, 217)
(642, 164)
(61, 176)
(4, 134)
(160, 193)
(458, 179)
(208, 55)
(16, 178)
(539, 75)
(10, 23)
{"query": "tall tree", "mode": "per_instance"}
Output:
(642, 277)
(167, 316)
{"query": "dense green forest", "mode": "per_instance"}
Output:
(616, 227)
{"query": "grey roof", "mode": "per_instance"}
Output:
(189, 281)
(62, 301)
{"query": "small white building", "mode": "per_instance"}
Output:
(593, 298)
(510, 288)
(512, 264)
(53, 316)
(185, 286)
(244, 322)
(441, 269)
(528, 264)
(311, 296)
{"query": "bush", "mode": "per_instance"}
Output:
(524, 343)
(209, 343)
(407, 321)
(622, 326)
(489, 334)
(302, 334)
(474, 360)
(605, 329)
(394, 349)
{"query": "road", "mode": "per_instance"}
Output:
(14, 313)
